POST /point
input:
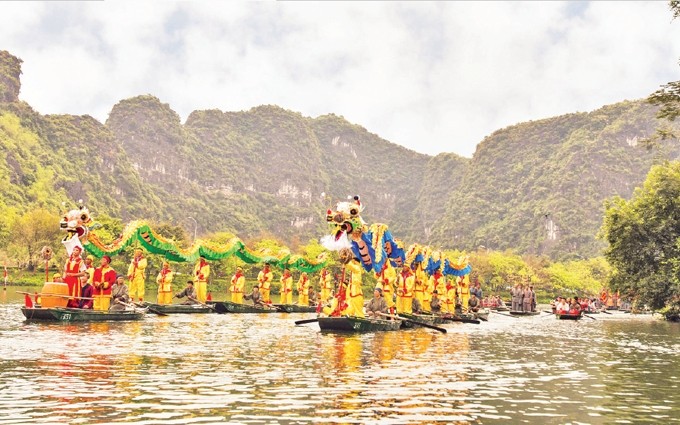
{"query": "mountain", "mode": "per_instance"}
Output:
(269, 171)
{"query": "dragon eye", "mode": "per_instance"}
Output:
(83, 216)
(353, 211)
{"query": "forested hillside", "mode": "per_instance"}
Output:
(269, 171)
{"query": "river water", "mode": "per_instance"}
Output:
(261, 368)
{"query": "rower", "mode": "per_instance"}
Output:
(190, 293)
(255, 296)
(119, 294)
(473, 303)
(377, 305)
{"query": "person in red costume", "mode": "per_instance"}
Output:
(73, 269)
(103, 279)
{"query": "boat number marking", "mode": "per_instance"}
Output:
(66, 316)
(357, 326)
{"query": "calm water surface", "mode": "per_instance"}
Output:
(255, 369)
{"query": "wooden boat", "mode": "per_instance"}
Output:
(295, 308)
(59, 314)
(357, 324)
(500, 308)
(568, 316)
(230, 307)
(525, 313)
(178, 308)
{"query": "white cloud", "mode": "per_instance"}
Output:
(434, 77)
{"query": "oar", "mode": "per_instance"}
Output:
(151, 309)
(589, 317)
(127, 305)
(302, 322)
(460, 319)
(206, 305)
(605, 311)
(416, 322)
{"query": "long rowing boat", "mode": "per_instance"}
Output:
(230, 307)
(295, 308)
(357, 324)
(58, 314)
(178, 308)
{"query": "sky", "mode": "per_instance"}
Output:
(431, 76)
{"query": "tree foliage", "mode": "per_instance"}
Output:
(644, 239)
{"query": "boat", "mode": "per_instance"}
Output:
(58, 314)
(524, 313)
(500, 308)
(569, 316)
(482, 314)
(230, 307)
(178, 308)
(295, 308)
(357, 324)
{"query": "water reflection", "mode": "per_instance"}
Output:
(262, 368)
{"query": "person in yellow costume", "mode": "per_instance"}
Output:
(303, 289)
(164, 281)
(135, 275)
(385, 281)
(464, 290)
(264, 278)
(421, 280)
(449, 298)
(355, 294)
(437, 283)
(405, 284)
(201, 274)
(286, 287)
(89, 268)
(326, 285)
(238, 285)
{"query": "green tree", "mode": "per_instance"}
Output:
(644, 239)
(30, 232)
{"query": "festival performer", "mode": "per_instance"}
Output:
(326, 285)
(450, 298)
(264, 279)
(119, 294)
(437, 283)
(164, 281)
(303, 289)
(464, 290)
(103, 279)
(201, 273)
(355, 295)
(238, 285)
(189, 292)
(86, 293)
(286, 287)
(136, 275)
(89, 268)
(420, 278)
(73, 269)
(385, 281)
(405, 284)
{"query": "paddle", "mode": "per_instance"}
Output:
(605, 312)
(53, 295)
(589, 317)
(127, 305)
(206, 305)
(302, 322)
(460, 319)
(151, 309)
(415, 322)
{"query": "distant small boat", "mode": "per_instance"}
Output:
(568, 316)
